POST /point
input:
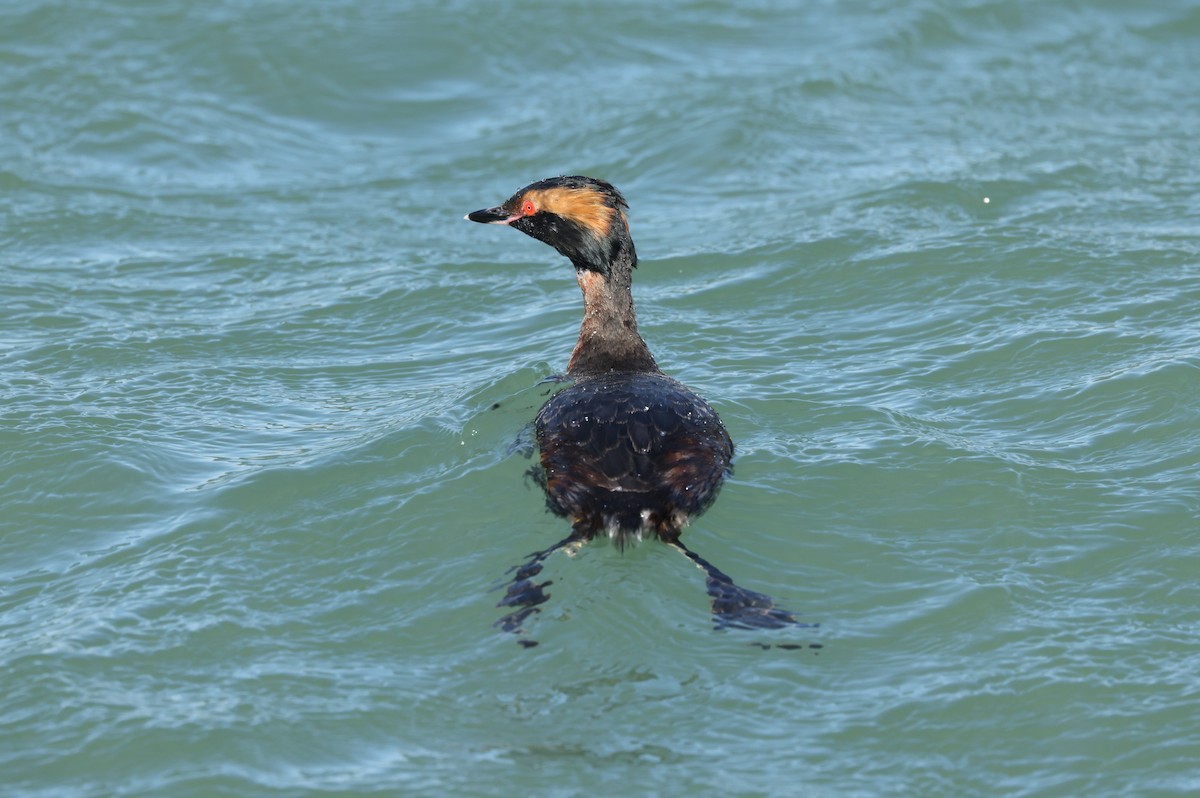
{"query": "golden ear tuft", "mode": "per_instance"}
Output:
(584, 206)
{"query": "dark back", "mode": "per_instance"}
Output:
(631, 450)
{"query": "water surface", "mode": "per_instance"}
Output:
(936, 264)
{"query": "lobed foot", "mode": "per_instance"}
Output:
(734, 607)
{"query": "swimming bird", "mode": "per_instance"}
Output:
(624, 451)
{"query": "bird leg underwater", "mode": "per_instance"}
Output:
(732, 606)
(526, 595)
(735, 607)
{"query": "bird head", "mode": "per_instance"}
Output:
(581, 217)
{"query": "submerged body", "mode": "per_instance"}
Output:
(625, 451)
(631, 455)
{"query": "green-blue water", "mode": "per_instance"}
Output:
(937, 264)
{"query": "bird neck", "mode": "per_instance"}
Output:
(608, 338)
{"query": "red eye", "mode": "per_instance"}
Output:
(527, 208)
